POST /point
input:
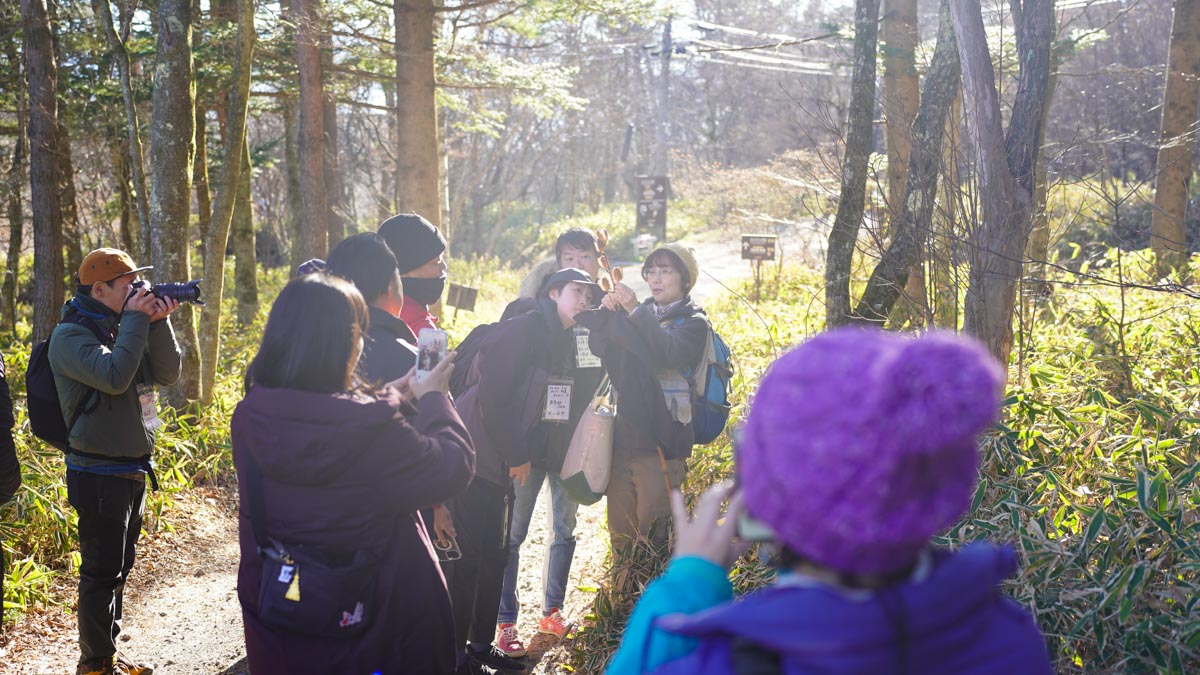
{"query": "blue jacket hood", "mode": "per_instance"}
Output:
(951, 621)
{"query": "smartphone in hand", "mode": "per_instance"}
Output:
(431, 349)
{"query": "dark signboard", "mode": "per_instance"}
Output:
(652, 193)
(462, 297)
(758, 247)
(653, 187)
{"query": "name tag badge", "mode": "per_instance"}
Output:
(558, 400)
(584, 358)
(148, 398)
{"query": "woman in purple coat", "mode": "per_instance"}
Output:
(345, 471)
(860, 446)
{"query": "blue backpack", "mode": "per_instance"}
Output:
(710, 391)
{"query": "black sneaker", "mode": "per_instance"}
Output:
(474, 668)
(493, 657)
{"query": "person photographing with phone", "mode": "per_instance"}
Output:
(860, 446)
(329, 472)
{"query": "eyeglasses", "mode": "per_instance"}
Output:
(658, 272)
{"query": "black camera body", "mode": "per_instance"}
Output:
(180, 291)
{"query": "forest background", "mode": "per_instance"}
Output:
(1017, 169)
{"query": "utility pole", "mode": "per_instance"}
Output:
(664, 102)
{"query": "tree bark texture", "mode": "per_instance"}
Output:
(314, 201)
(901, 93)
(662, 122)
(141, 235)
(336, 198)
(851, 202)
(914, 220)
(291, 149)
(14, 182)
(1168, 224)
(901, 98)
(172, 134)
(245, 275)
(44, 182)
(218, 232)
(1004, 164)
(942, 252)
(16, 220)
(72, 231)
(200, 177)
(417, 185)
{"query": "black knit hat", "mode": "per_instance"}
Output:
(413, 240)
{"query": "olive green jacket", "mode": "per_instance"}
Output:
(143, 353)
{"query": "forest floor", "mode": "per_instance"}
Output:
(181, 609)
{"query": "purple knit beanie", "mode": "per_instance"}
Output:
(861, 445)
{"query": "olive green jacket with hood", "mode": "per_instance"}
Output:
(142, 353)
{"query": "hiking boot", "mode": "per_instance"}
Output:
(509, 642)
(103, 667)
(123, 665)
(553, 624)
(492, 656)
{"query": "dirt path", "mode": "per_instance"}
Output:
(181, 608)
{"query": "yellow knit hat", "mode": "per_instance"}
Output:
(686, 256)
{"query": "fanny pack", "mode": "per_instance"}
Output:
(307, 590)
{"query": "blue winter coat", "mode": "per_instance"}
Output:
(956, 620)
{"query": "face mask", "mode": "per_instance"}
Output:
(424, 291)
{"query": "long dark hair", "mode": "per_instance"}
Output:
(312, 337)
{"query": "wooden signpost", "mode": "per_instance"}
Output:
(757, 248)
(461, 297)
(652, 192)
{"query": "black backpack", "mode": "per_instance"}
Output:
(464, 354)
(468, 349)
(45, 413)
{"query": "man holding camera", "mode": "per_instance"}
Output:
(114, 344)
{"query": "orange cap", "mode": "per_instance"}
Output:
(106, 264)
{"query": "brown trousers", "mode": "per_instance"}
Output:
(638, 500)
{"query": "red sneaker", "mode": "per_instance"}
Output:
(509, 642)
(554, 625)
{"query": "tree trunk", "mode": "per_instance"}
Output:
(915, 217)
(200, 178)
(844, 234)
(901, 97)
(72, 232)
(172, 133)
(901, 93)
(291, 149)
(1004, 164)
(662, 123)
(42, 75)
(336, 218)
(16, 217)
(218, 233)
(141, 235)
(945, 244)
(314, 203)
(1168, 224)
(120, 161)
(416, 111)
(245, 275)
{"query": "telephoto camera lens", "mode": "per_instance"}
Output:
(183, 292)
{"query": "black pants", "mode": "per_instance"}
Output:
(482, 516)
(110, 512)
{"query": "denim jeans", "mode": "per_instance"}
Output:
(556, 565)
